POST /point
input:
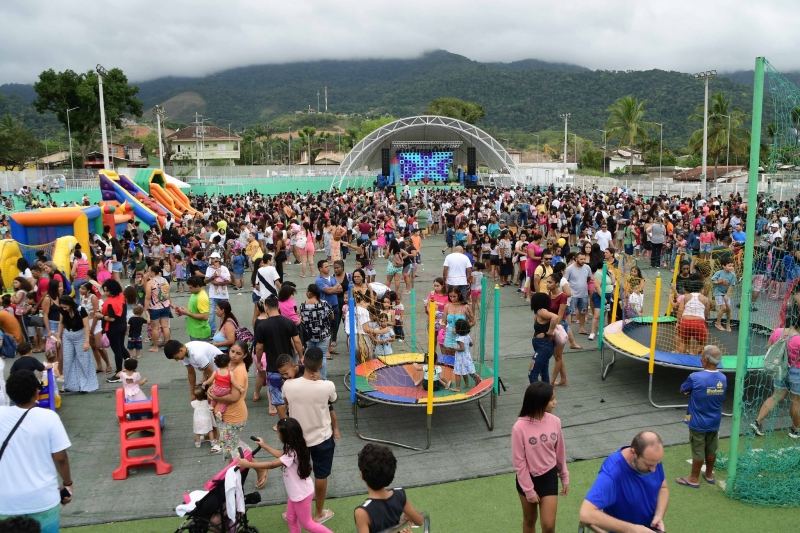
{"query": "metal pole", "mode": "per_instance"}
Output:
(656, 298)
(431, 360)
(413, 301)
(159, 114)
(482, 319)
(705, 139)
(351, 308)
(197, 142)
(728, 155)
(602, 309)
(102, 117)
(69, 132)
(604, 151)
(496, 336)
(747, 274)
(566, 138)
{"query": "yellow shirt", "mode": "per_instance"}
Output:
(253, 250)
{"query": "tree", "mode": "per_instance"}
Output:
(60, 91)
(469, 112)
(719, 108)
(18, 145)
(626, 121)
(368, 126)
(306, 133)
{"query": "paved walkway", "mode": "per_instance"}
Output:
(598, 418)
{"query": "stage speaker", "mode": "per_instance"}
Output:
(385, 161)
(472, 164)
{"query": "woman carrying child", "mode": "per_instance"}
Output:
(234, 416)
(221, 382)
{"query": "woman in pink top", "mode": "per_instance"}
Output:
(539, 457)
(534, 259)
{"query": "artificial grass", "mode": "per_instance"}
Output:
(491, 504)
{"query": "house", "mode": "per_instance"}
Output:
(56, 160)
(205, 143)
(712, 174)
(620, 159)
(130, 155)
(516, 155)
(330, 157)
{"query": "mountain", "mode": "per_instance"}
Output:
(522, 96)
(746, 77)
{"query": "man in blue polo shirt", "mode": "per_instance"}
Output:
(706, 391)
(738, 235)
(630, 493)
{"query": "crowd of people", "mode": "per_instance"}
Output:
(548, 245)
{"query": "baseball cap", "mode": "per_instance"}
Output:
(774, 225)
(215, 255)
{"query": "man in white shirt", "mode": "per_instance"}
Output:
(267, 278)
(196, 356)
(218, 277)
(457, 271)
(34, 457)
(309, 398)
(603, 237)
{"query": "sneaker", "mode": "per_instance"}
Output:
(197, 444)
(113, 379)
(591, 336)
(794, 433)
(296, 263)
(758, 430)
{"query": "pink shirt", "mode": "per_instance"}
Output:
(297, 489)
(536, 447)
(289, 309)
(531, 264)
(792, 349)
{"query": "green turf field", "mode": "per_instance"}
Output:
(491, 505)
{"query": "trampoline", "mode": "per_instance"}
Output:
(632, 338)
(389, 380)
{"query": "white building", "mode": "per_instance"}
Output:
(205, 143)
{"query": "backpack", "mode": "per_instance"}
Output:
(102, 272)
(776, 362)
(8, 346)
(244, 334)
(67, 284)
(163, 290)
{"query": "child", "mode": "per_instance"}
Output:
(203, 423)
(438, 380)
(385, 508)
(383, 341)
(494, 259)
(288, 369)
(131, 381)
(286, 302)
(51, 354)
(724, 280)
(381, 241)
(476, 287)
(449, 237)
(238, 269)
(135, 324)
(295, 461)
(30, 310)
(397, 309)
(221, 380)
(635, 302)
(180, 272)
(26, 361)
(463, 365)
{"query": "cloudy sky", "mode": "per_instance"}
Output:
(149, 39)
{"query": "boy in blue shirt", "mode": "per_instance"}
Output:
(724, 280)
(238, 269)
(706, 391)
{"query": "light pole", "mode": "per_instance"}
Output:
(575, 140)
(660, 146)
(69, 132)
(565, 116)
(290, 151)
(101, 74)
(537, 143)
(728, 144)
(159, 118)
(705, 76)
(604, 151)
(230, 158)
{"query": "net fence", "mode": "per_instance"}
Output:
(393, 343)
(768, 458)
(29, 251)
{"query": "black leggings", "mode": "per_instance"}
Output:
(280, 258)
(116, 341)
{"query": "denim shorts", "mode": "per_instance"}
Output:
(116, 266)
(579, 304)
(135, 344)
(256, 297)
(596, 299)
(158, 314)
(275, 385)
(705, 248)
(791, 382)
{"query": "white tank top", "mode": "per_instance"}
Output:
(694, 307)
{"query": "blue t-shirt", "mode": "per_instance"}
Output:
(705, 401)
(738, 236)
(238, 264)
(721, 289)
(622, 492)
(322, 283)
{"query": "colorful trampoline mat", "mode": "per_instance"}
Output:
(391, 378)
(619, 340)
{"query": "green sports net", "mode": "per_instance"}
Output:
(768, 463)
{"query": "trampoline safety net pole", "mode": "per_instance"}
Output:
(431, 357)
(351, 308)
(496, 338)
(616, 289)
(747, 274)
(654, 330)
(481, 318)
(675, 269)
(602, 309)
(413, 301)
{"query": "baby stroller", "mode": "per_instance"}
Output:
(209, 514)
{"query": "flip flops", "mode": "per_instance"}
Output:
(711, 481)
(685, 483)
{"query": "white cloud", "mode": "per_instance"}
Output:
(149, 39)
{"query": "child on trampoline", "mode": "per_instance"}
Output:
(438, 379)
(463, 365)
(724, 280)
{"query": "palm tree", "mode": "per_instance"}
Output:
(307, 133)
(625, 120)
(719, 108)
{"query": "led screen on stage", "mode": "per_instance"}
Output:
(415, 166)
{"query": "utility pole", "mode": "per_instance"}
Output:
(101, 73)
(159, 118)
(728, 145)
(705, 76)
(326, 99)
(69, 132)
(197, 141)
(317, 100)
(604, 152)
(290, 150)
(565, 116)
(660, 146)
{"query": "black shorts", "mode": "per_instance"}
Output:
(322, 458)
(544, 485)
(495, 260)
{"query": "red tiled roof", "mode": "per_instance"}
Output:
(209, 133)
(696, 173)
